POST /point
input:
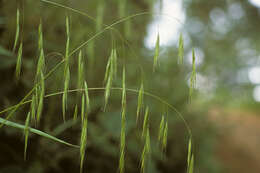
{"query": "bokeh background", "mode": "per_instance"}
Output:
(224, 112)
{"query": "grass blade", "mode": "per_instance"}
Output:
(38, 132)
(17, 29)
(19, 62)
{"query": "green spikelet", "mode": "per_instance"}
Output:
(66, 71)
(165, 136)
(19, 62)
(111, 71)
(145, 123)
(190, 170)
(80, 71)
(82, 107)
(123, 122)
(26, 134)
(40, 64)
(40, 37)
(83, 140)
(87, 96)
(161, 129)
(180, 50)
(156, 53)
(146, 151)
(75, 116)
(40, 104)
(140, 101)
(193, 75)
(17, 29)
(189, 153)
(33, 108)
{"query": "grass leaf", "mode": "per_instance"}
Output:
(38, 132)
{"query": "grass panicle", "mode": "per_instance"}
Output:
(83, 138)
(145, 123)
(75, 115)
(140, 101)
(19, 62)
(156, 53)
(80, 71)
(17, 29)
(123, 127)
(66, 71)
(26, 133)
(180, 50)
(193, 76)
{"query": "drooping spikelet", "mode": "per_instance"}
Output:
(26, 133)
(19, 62)
(193, 75)
(140, 101)
(123, 126)
(17, 29)
(145, 123)
(180, 50)
(156, 53)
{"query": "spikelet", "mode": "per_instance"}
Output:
(123, 122)
(140, 101)
(40, 104)
(19, 62)
(26, 133)
(83, 140)
(180, 50)
(145, 123)
(33, 108)
(193, 75)
(111, 71)
(17, 29)
(66, 71)
(189, 153)
(87, 96)
(190, 170)
(146, 151)
(75, 115)
(82, 107)
(161, 129)
(165, 135)
(40, 65)
(40, 37)
(80, 71)
(156, 53)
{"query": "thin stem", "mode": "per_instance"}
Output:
(127, 89)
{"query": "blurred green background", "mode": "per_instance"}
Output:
(223, 114)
